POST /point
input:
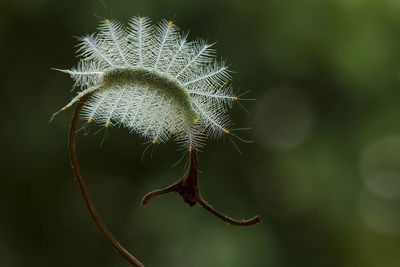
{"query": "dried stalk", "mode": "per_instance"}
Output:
(92, 210)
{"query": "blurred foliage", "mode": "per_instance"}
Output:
(323, 173)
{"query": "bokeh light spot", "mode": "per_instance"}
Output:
(380, 167)
(284, 118)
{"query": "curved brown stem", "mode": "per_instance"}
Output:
(206, 206)
(92, 210)
(159, 192)
(188, 188)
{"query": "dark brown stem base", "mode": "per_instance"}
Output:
(92, 210)
(188, 188)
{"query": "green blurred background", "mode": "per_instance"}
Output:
(324, 172)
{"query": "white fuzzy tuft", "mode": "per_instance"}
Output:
(171, 88)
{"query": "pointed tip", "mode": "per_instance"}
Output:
(52, 116)
(61, 70)
(51, 119)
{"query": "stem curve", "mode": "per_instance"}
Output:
(92, 210)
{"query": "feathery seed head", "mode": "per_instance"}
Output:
(153, 81)
(156, 83)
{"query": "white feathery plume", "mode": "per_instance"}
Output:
(139, 37)
(153, 81)
(113, 32)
